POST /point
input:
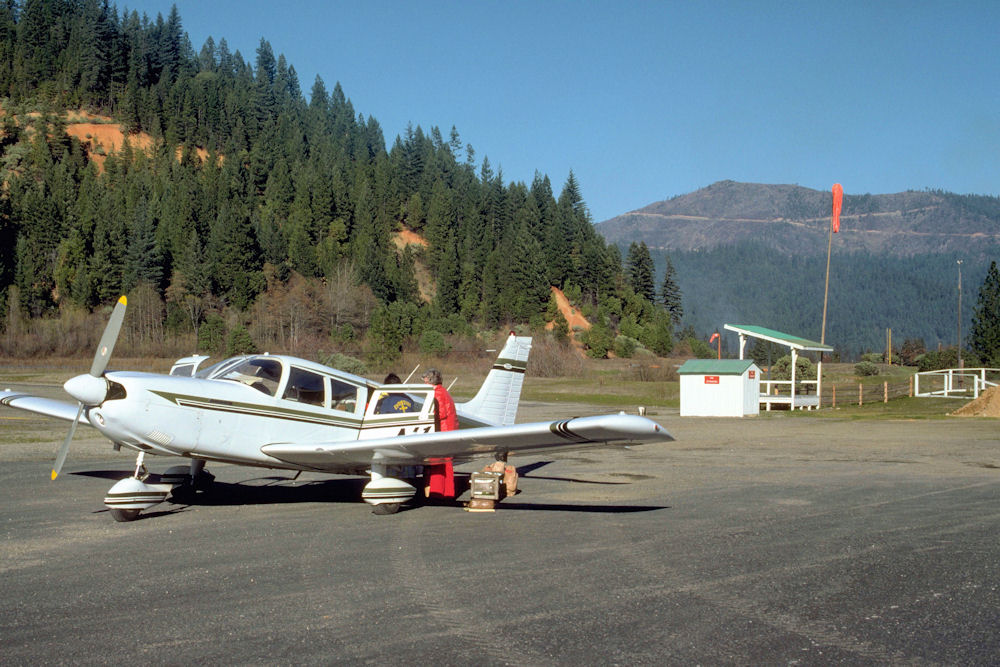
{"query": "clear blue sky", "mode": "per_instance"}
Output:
(646, 100)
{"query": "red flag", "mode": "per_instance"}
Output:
(714, 336)
(838, 202)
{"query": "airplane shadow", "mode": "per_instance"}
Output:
(285, 490)
(523, 472)
(596, 509)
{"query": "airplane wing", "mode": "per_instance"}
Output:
(49, 407)
(471, 443)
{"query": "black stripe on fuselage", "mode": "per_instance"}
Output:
(510, 365)
(561, 429)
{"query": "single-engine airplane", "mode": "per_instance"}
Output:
(276, 411)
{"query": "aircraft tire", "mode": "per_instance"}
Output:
(385, 508)
(121, 515)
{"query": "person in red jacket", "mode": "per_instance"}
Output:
(441, 476)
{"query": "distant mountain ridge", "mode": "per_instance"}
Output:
(792, 219)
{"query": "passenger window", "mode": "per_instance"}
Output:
(394, 402)
(343, 396)
(305, 387)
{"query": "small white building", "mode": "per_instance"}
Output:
(719, 388)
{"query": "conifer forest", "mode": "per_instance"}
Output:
(244, 213)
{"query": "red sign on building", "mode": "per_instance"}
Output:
(711, 379)
(753, 374)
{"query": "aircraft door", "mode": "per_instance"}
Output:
(402, 411)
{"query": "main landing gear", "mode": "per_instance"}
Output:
(127, 498)
(386, 494)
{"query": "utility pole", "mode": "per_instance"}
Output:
(960, 315)
(838, 197)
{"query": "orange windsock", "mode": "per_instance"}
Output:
(838, 202)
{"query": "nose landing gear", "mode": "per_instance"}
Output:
(130, 496)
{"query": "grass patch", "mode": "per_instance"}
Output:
(898, 408)
(606, 389)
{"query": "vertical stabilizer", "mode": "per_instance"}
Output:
(497, 399)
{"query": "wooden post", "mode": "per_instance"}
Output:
(911, 385)
(860, 395)
(885, 392)
(834, 396)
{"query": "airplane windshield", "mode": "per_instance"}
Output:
(261, 373)
(217, 368)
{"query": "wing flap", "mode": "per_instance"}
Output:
(49, 407)
(466, 444)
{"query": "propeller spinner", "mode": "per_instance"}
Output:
(92, 388)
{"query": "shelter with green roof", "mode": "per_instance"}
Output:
(799, 392)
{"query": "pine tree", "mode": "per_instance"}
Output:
(640, 271)
(984, 339)
(670, 294)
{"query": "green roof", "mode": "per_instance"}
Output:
(779, 337)
(715, 366)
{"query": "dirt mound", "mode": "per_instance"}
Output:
(987, 405)
(572, 315)
(425, 281)
(405, 237)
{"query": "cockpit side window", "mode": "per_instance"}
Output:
(305, 387)
(261, 373)
(343, 396)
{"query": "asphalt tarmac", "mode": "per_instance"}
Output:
(771, 540)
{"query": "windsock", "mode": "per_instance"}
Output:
(838, 202)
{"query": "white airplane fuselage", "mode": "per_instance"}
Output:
(227, 420)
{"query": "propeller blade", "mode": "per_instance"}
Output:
(109, 338)
(64, 450)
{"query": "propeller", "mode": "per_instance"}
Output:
(91, 389)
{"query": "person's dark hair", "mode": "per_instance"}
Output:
(391, 378)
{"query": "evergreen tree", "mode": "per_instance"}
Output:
(234, 256)
(640, 271)
(670, 294)
(984, 339)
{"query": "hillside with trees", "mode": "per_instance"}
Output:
(240, 213)
(793, 220)
(756, 254)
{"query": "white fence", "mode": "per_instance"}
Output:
(955, 382)
(779, 392)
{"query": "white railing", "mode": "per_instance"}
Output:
(955, 382)
(779, 392)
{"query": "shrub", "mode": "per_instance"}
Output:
(433, 342)
(865, 368)
(342, 335)
(804, 369)
(343, 362)
(239, 342)
(625, 347)
(552, 358)
(598, 341)
(212, 334)
(946, 358)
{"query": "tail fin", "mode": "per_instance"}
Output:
(497, 399)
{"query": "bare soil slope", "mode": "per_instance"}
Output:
(987, 405)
